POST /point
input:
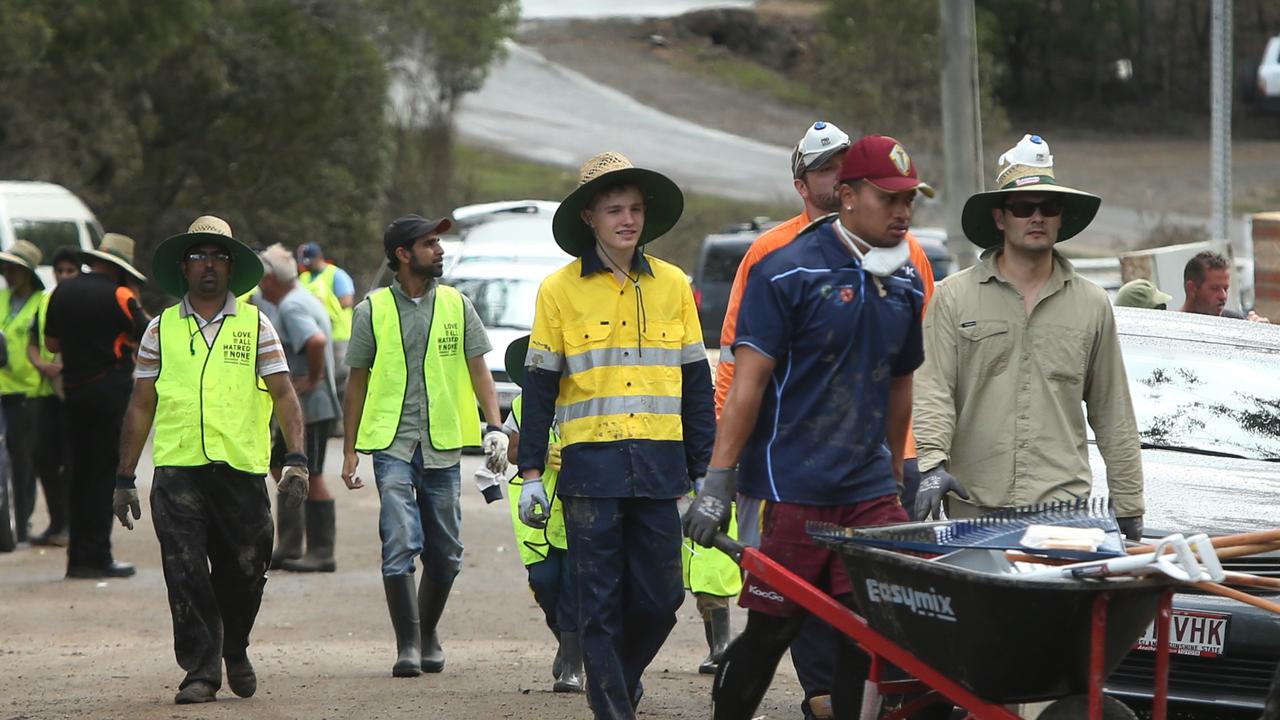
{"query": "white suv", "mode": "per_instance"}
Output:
(1268, 94)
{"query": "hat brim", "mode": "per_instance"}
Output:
(663, 205)
(246, 267)
(514, 359)
(1078, 210)
(86, 255)
(12, 259)
(900, 184)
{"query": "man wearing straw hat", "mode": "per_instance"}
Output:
(210, 370)
(95, 322)
(616, 357)
(20, 382)
(1013, 346)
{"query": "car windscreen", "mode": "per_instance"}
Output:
(501, 302)
(48, 235)
(721, 262)
(1207, 397)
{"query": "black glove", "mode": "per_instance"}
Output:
(934, 484)
(709, 513)
(125, 500)
(1131, 527)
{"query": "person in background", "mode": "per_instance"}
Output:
(336, 290)
(21, 383)
(1207, 280)
(1142, 293)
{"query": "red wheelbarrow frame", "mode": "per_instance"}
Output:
(927, 679)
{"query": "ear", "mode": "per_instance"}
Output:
(586, 217)
(847, 194)
(801, 188)
(998, 215)
(405, 257)
(1189, 288)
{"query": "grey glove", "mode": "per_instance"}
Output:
(535, 508)
(1131, 527)
(494, 446)
(934, 484)
(710, 511)
(124, 500)
(294, 480)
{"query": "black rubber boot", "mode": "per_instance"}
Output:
(403, 606)
(289, 523)
(432, 597)
(321, 529)
(716, 624)
(570, 678)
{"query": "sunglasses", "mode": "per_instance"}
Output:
(219, 258)
(1023, 209)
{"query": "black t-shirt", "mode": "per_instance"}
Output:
(98, 325)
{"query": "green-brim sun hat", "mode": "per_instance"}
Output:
(663, 201)
(1141, 293)
(1026, 168)
(26, 255)
(116, 249)
(246, 268)
(513, 362)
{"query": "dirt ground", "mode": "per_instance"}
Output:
(323, 645)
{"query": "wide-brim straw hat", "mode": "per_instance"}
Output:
(514, 359)
(663, 201)
(246, 268)
(116, 249)
(1026, 168)
(24, 254)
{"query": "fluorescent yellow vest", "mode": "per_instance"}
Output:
(42, 315)
(709, 571)
(452, 417)
(19, 376)
(533, 542)
(211, 406)
(321, 285)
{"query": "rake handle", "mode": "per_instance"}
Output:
(1259, 538)
(1243, 597)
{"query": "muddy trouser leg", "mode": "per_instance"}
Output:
(851, 670)
(567, 607)
(52, 459)
(813, 653)
(748, 664)
(239, 542)
(19, 419)
(182, 519)
(655, 583)
(544, 581)
(95, 416)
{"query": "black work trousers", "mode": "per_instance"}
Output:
(20, 421)
(95, 416)
(215, 532)
(53, 459)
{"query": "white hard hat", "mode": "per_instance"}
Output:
(1031, 151)
(820, 143)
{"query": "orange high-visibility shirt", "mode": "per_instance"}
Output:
(771, 240)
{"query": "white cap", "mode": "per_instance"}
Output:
(820, 143)
(1031, 151)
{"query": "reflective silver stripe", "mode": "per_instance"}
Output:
(693, 352)
(544, 359)
(619, 405)
(623, 356)
(726, 353)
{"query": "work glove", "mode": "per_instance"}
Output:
(494, 446)
(294, 479)
(709, 513)
(535, 508)
(934, 484)
(553, 457)
(1131, 527)
(125, 500)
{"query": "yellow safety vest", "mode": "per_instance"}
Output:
(19, 376)
(211, 406)
(321, 285)
(452, 416)
(46, 388)
(533, 542)
(709, 571)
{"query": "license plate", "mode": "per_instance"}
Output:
(1201, 634)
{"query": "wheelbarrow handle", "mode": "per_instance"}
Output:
(728, 546)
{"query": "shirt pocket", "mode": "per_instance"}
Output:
(664, 333)
(1063, 353)
(985, 347)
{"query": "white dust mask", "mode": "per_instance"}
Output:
(879, 261)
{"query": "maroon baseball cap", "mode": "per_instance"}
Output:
(883, 162)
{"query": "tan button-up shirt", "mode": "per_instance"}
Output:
(999, 396)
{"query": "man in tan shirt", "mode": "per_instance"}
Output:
(1013, 346)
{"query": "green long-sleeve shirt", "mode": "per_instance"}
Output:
(999, 396)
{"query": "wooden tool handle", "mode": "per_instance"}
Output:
(1243, 597)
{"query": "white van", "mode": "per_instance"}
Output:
(48, 215)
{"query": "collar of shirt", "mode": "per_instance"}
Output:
(592, 264)
(397, 288)
(228, 308)
(834, 248)
(850, 240)
(1063, 270)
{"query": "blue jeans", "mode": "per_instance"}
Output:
(552, 583)
(420, 515)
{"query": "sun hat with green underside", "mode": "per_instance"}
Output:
(246, 267)
(1026, 168)
(663, 201)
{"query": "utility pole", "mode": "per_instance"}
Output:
(961, 121)
(1220, 135)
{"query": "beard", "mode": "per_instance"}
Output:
(427, 271)
(828, 202)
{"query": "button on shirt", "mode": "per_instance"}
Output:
(415, 326)
(838, 334)
(999, 396)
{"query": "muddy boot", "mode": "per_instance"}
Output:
(289, 524)
(716, 623)
(403, 607)
(569, 679)
(432, 597)
(321, 529)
